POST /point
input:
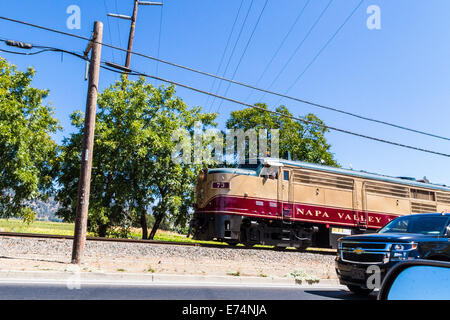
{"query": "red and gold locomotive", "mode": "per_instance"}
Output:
(296, 204)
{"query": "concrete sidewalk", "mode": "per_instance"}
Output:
(74, 276)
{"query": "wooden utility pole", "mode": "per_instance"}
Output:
(131, 37)
(84, 183)
(133, 18)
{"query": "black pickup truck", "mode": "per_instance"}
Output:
(363, 260)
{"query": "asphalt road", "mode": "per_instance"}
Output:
(58, 291)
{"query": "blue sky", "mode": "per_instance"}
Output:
(398, 74)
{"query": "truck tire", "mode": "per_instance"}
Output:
(359, 291)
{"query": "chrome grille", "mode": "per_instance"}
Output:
(365, 252)
(365, 245)
(364, 257)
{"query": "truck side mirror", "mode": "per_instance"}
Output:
(417, 280)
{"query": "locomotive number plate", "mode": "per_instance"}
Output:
(221, 185)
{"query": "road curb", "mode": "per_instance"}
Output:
(135, 278)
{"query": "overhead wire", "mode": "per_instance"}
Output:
(297, 19)
(300, 45)
(109, 28)
(224, 51)
(314, 104)
(245, 50)
(137, 73)
(322, 49)
(234, 48)
(43, 50)
(159, 37)
(118, 27)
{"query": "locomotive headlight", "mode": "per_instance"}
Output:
(202, 175)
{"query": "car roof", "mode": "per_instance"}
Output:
(430, 214)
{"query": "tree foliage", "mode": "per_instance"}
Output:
(27, 150)
(304, 142)
(133, 170)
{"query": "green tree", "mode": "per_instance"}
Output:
(133, 170)
(27, 151)
(304, 142)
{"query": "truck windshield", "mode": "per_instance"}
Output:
(430, 225)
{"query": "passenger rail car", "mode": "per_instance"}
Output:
(296, 204)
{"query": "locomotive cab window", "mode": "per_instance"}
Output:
(249, 166)
(270, 172)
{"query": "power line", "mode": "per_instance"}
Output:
(118, 26)
(159, 36)
(298, 47)
(280, 46)
(109, 27)
(132, 19)
(322, 49)
(46, 49)
(245, 50)
(132, 72)
(234, 81)
(224, 51)
(234, 48)
(26, 53)
(136, 73)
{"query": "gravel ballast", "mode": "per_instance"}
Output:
(31, 254)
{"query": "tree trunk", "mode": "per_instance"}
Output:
(158, 220)
(144, 224)
(102, 228)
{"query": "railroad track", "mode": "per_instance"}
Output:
(192, 244)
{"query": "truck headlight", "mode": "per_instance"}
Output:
(401, 251)
(404, 246)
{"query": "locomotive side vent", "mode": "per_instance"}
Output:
(423, 194)
(387, 190)
(322, 179)
(443, 197)
(417, 207)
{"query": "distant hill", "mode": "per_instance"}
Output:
(45, 210)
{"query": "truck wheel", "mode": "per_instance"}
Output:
(359, 291)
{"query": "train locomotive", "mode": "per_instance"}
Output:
(285, 203)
